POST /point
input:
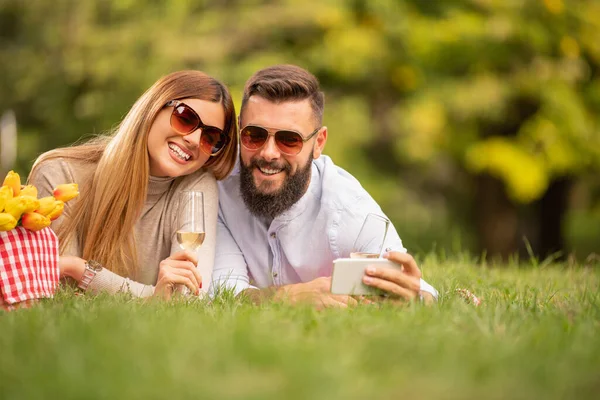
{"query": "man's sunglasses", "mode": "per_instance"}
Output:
(253, 137)
(184, 120)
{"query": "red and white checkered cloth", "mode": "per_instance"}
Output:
(28, 264)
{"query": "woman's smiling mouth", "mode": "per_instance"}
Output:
(179, 153)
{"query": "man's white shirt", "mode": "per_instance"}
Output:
(300, 244)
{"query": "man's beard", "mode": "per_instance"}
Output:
(273, 204)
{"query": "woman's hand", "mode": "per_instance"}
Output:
(71, 266)
(178, 269)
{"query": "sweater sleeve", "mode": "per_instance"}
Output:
(46, 177)
(107, 281)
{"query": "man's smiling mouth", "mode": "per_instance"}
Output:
(270, 171)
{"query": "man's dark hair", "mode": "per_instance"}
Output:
(286, 82)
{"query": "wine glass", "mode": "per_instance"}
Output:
(190, 232)
(371, 238)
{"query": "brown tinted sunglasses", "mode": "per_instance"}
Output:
(253, 137)
(184, 120)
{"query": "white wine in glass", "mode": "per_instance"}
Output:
(371, 238)
(190, 240)
(190, 234)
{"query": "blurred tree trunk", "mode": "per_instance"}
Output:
(500, 228)
(497, 219)
(552, 209)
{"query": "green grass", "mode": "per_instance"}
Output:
(536, 335)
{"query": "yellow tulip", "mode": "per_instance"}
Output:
(29, 190)
(18, 206)
(13, 180)
(66, 192)
(5, 195)
(47, 205)
(58, 209)
(7, 222)
(34, 221)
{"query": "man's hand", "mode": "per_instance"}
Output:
(316, 292)
(401, 285)
(178, 269)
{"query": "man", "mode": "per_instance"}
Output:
(287, 211)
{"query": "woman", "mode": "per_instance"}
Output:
(119, 234)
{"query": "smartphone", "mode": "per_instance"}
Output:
(348, 274)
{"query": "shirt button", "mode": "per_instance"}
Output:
(273, 235)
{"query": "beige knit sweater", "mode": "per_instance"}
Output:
(155, 231)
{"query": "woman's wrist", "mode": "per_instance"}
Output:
(72, 266)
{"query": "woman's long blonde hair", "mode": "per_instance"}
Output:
(112, 197)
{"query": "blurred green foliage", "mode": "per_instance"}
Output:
(420, 95)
